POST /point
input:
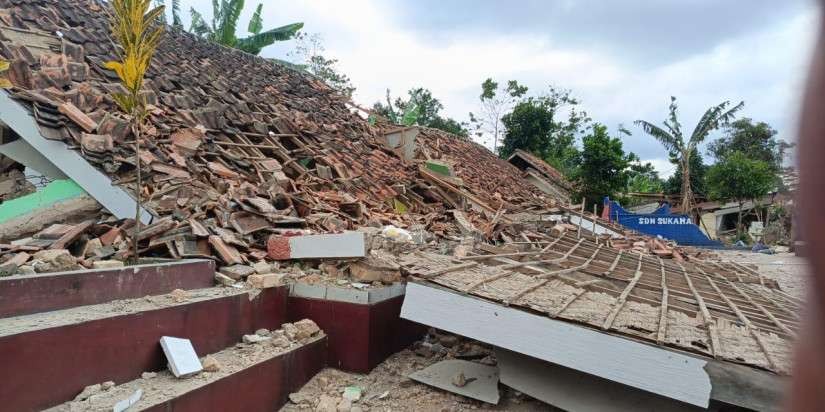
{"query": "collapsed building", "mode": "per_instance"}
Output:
(247, 162)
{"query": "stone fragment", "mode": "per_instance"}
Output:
(107, 385)
(326, 403)
(290, 331)
(263, 267)
(252, 339)
(344, 406)
(377, 267)
(210, 364)
(222, 279)
(306, 328)
(148, 375)
(54, 260)
(179, 295)
(266, 281)
(87, 392)
(237, 272)
(107, 264)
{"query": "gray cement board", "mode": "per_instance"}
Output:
(338, 245)
(341, 294)
(482, 380)
(22, 152)
(617, 359)
(69, 162)
(571, 390)
(587, 224)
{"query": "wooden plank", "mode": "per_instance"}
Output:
(639, 365)
(615, 262)
(611, 317)
(660, 334)
(709, 322)
(448, 269)
(762, 309)
(71, 235)
(754, 331)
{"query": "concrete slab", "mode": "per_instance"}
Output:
(325, 246)
(477, 382)
(183, 361)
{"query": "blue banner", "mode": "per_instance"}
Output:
(660, 222)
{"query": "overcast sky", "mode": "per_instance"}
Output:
(623, 59)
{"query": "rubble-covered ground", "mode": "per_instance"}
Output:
(789, 270)
(387, 387)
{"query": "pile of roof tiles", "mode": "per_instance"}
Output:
(236, 148)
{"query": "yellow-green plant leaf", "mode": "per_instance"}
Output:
(4, 65)
(5, 83)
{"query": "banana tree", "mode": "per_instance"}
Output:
(176, 20)
(674, 141)
(225, 16)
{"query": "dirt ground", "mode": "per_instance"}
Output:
(387, 387)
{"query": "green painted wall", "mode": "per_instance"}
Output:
(53, 192)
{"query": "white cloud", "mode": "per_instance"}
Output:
(764, 68)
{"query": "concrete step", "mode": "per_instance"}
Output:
(26, 294)
(48, 358)
(256, 377)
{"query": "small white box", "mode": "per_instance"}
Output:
(183, 361)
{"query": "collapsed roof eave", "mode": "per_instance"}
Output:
(54, 157)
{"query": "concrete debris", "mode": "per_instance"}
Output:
(148, 375)
(128, 402)
(270, 280)
(306, 328)
(328, 246)
(222, 279)
(179, 295)
(183, 361)
(210, 364)
(107, 264)
(377, 267)
(237, 272)
(253, 339)
(465, 378)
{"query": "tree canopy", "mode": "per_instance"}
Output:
(309, 55)
(225, 16)
(603, 167)
(683, 147)
(739, 177)
(422, 108)
(757, 140)
(546, 126)
(495, 102)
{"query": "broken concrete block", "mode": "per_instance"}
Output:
(326, 403)
(263, 267)
(87, 392)
(266, 281)
(9, 267)
(210, 364)
(251, 339)
(183, 361)
(336, 245)
(223, 279)
(306, 328)
(55, 260)
(179, 295)
(107, 264)
(237, 272)
(378, 267)
(290, 331)
(128, 402)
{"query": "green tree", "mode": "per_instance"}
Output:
(698, 168)
(308, 54)
(225, 16)
(683, 148)
(642, 177)
(739, 178)
(495, 103)
(546, 126)
(426, 109)
(756, 140)
(137, 33)
(604, 166)
(176, 20)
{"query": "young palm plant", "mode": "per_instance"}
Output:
(137, 30)
(225, 16)
(674, 141)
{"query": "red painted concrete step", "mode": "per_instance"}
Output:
(251, 378)
(53, 356)
(26, 294)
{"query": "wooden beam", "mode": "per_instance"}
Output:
(660, 334)
(611, 317)
(709, 322)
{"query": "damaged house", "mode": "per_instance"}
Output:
(249, 165)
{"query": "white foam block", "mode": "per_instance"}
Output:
(183, 361)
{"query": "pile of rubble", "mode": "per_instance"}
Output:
(13, 183)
